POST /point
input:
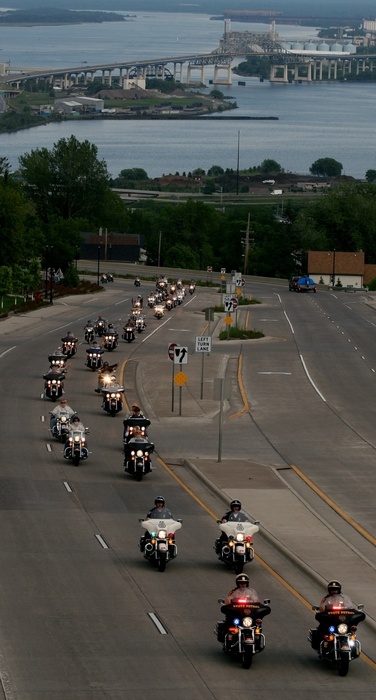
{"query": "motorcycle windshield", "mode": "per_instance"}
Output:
(232, 529)
(153, 525)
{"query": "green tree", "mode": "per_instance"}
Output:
(270, 167)
(326, 167)
(215, 170)
(68, 182)
(131, 174)
(20, 235)
(6, 282)
(371, 175)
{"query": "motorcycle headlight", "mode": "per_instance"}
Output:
(342, 629)
(118, 396)
(63, 419)
(240, 537)
(139, 453)
(54, 381)
(162, 534)
(113, 396)
(77, 438)
(247, 622)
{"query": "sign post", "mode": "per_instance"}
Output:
(203, 345)
(171, 354)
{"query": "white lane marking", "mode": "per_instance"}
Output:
(276, 320)
(42, 396)
(122, 301)
(289, 322)
(311, 380)
(9, 349)
(181, 330)
(156, 329)
(101, 541)
(157, 623)
(287, 373)
(42, 419)
(49, 448)
(67, 486)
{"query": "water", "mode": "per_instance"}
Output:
(335, 120)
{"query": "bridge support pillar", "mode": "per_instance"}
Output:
(192, 67)
(222, 81)
(178, 72)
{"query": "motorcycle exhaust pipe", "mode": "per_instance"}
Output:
(149, 547)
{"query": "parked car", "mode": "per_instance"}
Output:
(302, 283)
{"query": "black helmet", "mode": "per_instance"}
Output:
(334, 587)
(242, 578)
(235, 504)
(159, 499)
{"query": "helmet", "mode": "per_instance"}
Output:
(89, 322)
(334, 587)
(159, 499)
(235, 504)
(75, 418)
(243, 578)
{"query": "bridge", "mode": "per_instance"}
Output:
(285, 66)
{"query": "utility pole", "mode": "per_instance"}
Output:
(246, 247)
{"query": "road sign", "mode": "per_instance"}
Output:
(230, 302)
(238, 281)
(209, 268)
(223, 270)
(203, 343)
(180, 355)
(180, 379)
(171, 349)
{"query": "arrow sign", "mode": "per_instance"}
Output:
(230, 303)
(180, 355)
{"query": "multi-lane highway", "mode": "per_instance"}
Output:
(76, 594)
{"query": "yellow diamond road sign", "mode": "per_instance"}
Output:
(228, 320)
(180, 378)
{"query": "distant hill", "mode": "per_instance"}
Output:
(56, 15)
(292, 8)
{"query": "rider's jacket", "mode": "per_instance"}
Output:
(235, 517)
(159, 513)
(63, 410)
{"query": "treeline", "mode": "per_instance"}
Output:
(57, 195)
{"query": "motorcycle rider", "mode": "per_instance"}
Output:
(335, 597)
(242, 590)
(75, 424)
(105, 369)
(234, 515)
(61, 409)
(159, 511)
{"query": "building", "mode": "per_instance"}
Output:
(78, 104)
(106, 245)
(338, 268)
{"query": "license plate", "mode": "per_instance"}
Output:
(240, 549)
(162, 547)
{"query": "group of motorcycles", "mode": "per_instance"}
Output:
(108, 386)
(167, 296)
(64, 424)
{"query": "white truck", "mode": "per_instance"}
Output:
(276, 192)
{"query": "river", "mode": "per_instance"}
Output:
(316, 120)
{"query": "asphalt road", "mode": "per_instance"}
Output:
(76, 592)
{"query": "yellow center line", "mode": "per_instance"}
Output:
(334, 506)
(259, 559)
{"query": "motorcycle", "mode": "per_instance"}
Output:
(60, 429)
(110, 341)
(128, 334)
(158, 311)
(58, 359)
(140, 324)
(69, 348)
(151, 300)
(160, 546)
(137, 282)
(169, 304)
(104, 279)
(100, 328)
(238, 549)
(335, 640)
(112, 399)
(191, 288)
(137, 460)
(241, 632)
(89, 334)
(130, 423)
(54, 385)
(94, 359)
(76, 448)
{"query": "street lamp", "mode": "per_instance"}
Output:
(334, 266)
(237, 166)
(99, 257)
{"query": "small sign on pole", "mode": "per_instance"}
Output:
(203, 343)
(180, 355)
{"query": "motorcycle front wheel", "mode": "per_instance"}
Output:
(343, 664)
(76, 460)
(247, 657)
(239, 563)
(162, 562)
